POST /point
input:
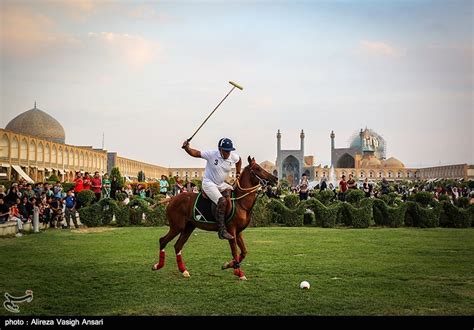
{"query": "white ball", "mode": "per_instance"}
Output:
(304, 285)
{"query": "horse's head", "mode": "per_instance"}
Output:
(258, 173)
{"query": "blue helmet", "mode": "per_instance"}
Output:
(226, 144)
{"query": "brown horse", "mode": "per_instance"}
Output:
(179, 212)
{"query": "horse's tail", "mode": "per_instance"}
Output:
(164, 201)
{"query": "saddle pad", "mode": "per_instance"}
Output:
(203, 209)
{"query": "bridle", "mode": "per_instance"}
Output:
(263, 183)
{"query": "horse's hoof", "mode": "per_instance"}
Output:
(243, 278)
(225, 265)
(186, 274)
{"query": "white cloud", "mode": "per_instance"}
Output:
(375, 48)
(135, 50)
(26, 33)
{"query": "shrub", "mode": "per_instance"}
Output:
(385, 215)
(85, 197)
(120, 196)
(354, 196)
(462, 202)
(309, 218)
(424, 198)
(53, 178)
(282, 214)
(108, 208)
(452, 216)
(122, 216)
(68, 186)
(423, 217)
(325, 216)
(156, 216)
(91, 216)
(291, 200)
(325, 196)
(443, 197)
(358, 217)
(261, 215)
(137, 207)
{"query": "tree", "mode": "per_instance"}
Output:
(53, 178)
(116, 172)
(141, 176)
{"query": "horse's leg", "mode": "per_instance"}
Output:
(172, 233)
(236, 265)
(178, 247)
(243, 252)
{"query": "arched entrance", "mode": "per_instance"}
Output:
(291, 170)
(345, 161)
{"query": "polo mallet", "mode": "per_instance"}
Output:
(234, 85)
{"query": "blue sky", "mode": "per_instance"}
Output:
(148, 73)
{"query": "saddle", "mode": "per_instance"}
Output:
(204, 209)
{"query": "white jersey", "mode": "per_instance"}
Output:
(218, 168)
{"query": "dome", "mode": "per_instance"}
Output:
(370, 141)
(393, 162)
(371, 162)
(38, 123)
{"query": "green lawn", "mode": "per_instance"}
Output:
(351, 271)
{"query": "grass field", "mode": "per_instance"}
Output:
(107, 271)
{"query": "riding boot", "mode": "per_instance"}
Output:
(220, 217)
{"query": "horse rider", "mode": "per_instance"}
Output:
(219, 164)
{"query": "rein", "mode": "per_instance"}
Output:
(262, 184)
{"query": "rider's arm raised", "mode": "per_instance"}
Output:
(192, 152)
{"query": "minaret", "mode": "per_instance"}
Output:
(332, 147)
(332, 140)
(278, 160)
(278, 142)
(361, 135)
(302, 141)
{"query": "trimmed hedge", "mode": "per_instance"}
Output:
(108, 208)
(358, 217)
(354, 196)
(423, 217)
(137, 207)
(85, 197)
(91, 216)
(291, 200)
(325, 216)
(260, 215)
(309, 218)
(287, 216)
(385, 215)
(325, 196)
(156, 216)
(424, 198)
(455, 217)
(122, 216)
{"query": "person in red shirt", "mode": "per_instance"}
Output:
(79, 183)
(342, 188)
(97, 186)
(87, 181)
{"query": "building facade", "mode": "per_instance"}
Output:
(36, 159)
